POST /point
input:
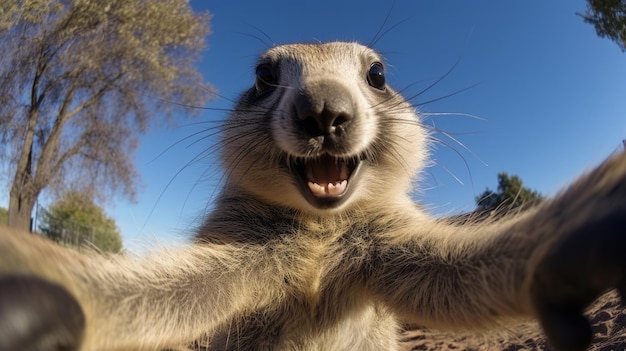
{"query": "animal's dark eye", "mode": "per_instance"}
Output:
(376, 76)
(266, 79)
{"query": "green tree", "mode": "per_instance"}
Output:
(608, 18)
(76, 220)
(511, 194)
(80, 79)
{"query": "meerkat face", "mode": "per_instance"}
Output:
(321, 129)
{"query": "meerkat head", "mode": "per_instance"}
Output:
(321, 130)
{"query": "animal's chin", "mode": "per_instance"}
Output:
(326, 182)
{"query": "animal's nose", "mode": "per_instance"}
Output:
(324, 108)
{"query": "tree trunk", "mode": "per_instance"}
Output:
(21, 204)
(23, 196)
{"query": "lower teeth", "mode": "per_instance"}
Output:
(329, 189)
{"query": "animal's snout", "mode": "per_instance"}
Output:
(324, 108)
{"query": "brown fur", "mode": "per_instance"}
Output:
(273, 270)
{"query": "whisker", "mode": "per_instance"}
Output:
(251, 144)
(444, 96)
(216, 131)
(231, 164)
(180, 141)
(438, 80)
(450, 173)
(196, 107)
(467, 167)
(269, 44)
(378, 34)
(167, 186)
(461, 114)
(387, 31)
(456, 141)
(397, 155)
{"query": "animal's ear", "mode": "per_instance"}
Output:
(38, 315)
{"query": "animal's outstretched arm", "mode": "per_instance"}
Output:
(161, 301)
(549, 262)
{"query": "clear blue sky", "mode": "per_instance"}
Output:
(551, 93)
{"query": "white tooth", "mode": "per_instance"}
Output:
(337, 188)
(316, 189)
(343, 185)
(329, 189)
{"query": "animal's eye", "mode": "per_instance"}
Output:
(376, 76)
(266, 79)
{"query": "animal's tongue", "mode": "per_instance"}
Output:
(327, 176)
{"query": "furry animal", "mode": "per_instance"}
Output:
(315, 242)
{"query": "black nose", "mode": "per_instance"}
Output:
(324, 108)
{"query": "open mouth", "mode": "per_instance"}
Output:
(325, 181)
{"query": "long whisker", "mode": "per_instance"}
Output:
(438, 80)
(180, 141)
(450, 173)
(263, 33)
(378, 34)
(458, 142)
(389, 30)
(462, 114)
(441, 142)
(456, 92)
(167, 186)
(196, 107)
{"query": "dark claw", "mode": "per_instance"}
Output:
(566, 328)
(588, 262)
(37, 315)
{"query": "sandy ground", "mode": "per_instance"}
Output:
(608, 317)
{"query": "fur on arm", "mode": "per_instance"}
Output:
(449, 276)
(184, 293)
(564, 252)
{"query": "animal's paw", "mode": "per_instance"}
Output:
(589, 257)
(36, 315)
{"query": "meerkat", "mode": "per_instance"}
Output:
(315, 242)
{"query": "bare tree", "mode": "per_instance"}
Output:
(80, 79)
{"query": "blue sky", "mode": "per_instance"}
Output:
(549, 91)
